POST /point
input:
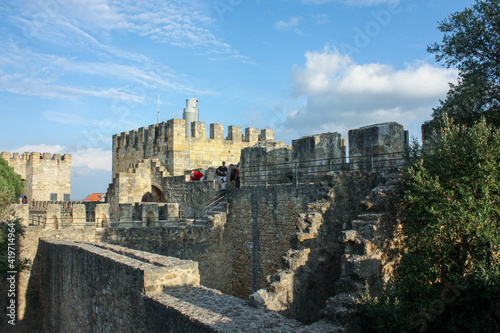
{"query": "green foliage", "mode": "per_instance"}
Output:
(10, 236)
(11, 185)
(448, 278)
(471, 42)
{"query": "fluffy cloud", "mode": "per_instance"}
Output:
(340, 94)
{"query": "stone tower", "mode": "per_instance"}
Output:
(46, 177)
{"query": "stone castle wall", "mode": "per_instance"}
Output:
(105, 288)
(47, 177)
(167, 142)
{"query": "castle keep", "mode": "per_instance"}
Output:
(181, 144)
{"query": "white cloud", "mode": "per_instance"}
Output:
(288, 25)
(341, 94)
(181, 23)
(92, 158)
(64, 118)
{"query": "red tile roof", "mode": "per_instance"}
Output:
(95, 197)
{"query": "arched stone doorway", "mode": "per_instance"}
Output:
(151, 219)
(53, 223)
(156, 195)
(104, 221)
(147, 197)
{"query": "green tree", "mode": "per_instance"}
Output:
(11, 230)
(448, 278)
(471, 42)
(11, 185)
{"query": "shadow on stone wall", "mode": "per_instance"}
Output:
(313, 269)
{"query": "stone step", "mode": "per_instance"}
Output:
(370, 216)
(362, 266)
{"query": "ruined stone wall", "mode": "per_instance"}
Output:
(259, 226)
(47, 177)
(262, 226)
(168, 143)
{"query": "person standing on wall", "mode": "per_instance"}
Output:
(234, 177)
(222, 170)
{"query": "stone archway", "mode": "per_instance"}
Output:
(158, 195)
(147, 197)
(53, 223)
(151, 219)
(104, 221)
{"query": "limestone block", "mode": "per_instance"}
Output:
(377, 143)
(217, 131)
(266, 135)
(79, 215)
(251, 134)
(348, 236)
(234, 133)
(53, 216)
(361, 266)
(102, 214)
(21, 211)
(126, 213)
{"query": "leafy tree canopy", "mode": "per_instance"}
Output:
(11, 185)
(471, 43)
(448, 278)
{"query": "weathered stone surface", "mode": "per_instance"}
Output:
(108, 288)
(168, 143)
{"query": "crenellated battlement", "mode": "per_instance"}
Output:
(168, 142)
(35, 156)
(174, 128)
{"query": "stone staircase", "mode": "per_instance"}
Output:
(365, 253)
(154, 164)
(215, 212)
(363, 260)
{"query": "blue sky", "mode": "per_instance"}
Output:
(75, 72)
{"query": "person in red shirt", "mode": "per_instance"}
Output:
(196, 176)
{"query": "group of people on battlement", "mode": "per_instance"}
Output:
(222, 172)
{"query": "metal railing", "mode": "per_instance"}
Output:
(211, 205)
(41, 220)
(306, 171)
(81, 223)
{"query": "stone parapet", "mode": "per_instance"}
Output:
(111, 292)
(119, 288)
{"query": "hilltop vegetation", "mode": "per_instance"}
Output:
(448, 275)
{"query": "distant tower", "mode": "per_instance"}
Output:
(191, 113)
